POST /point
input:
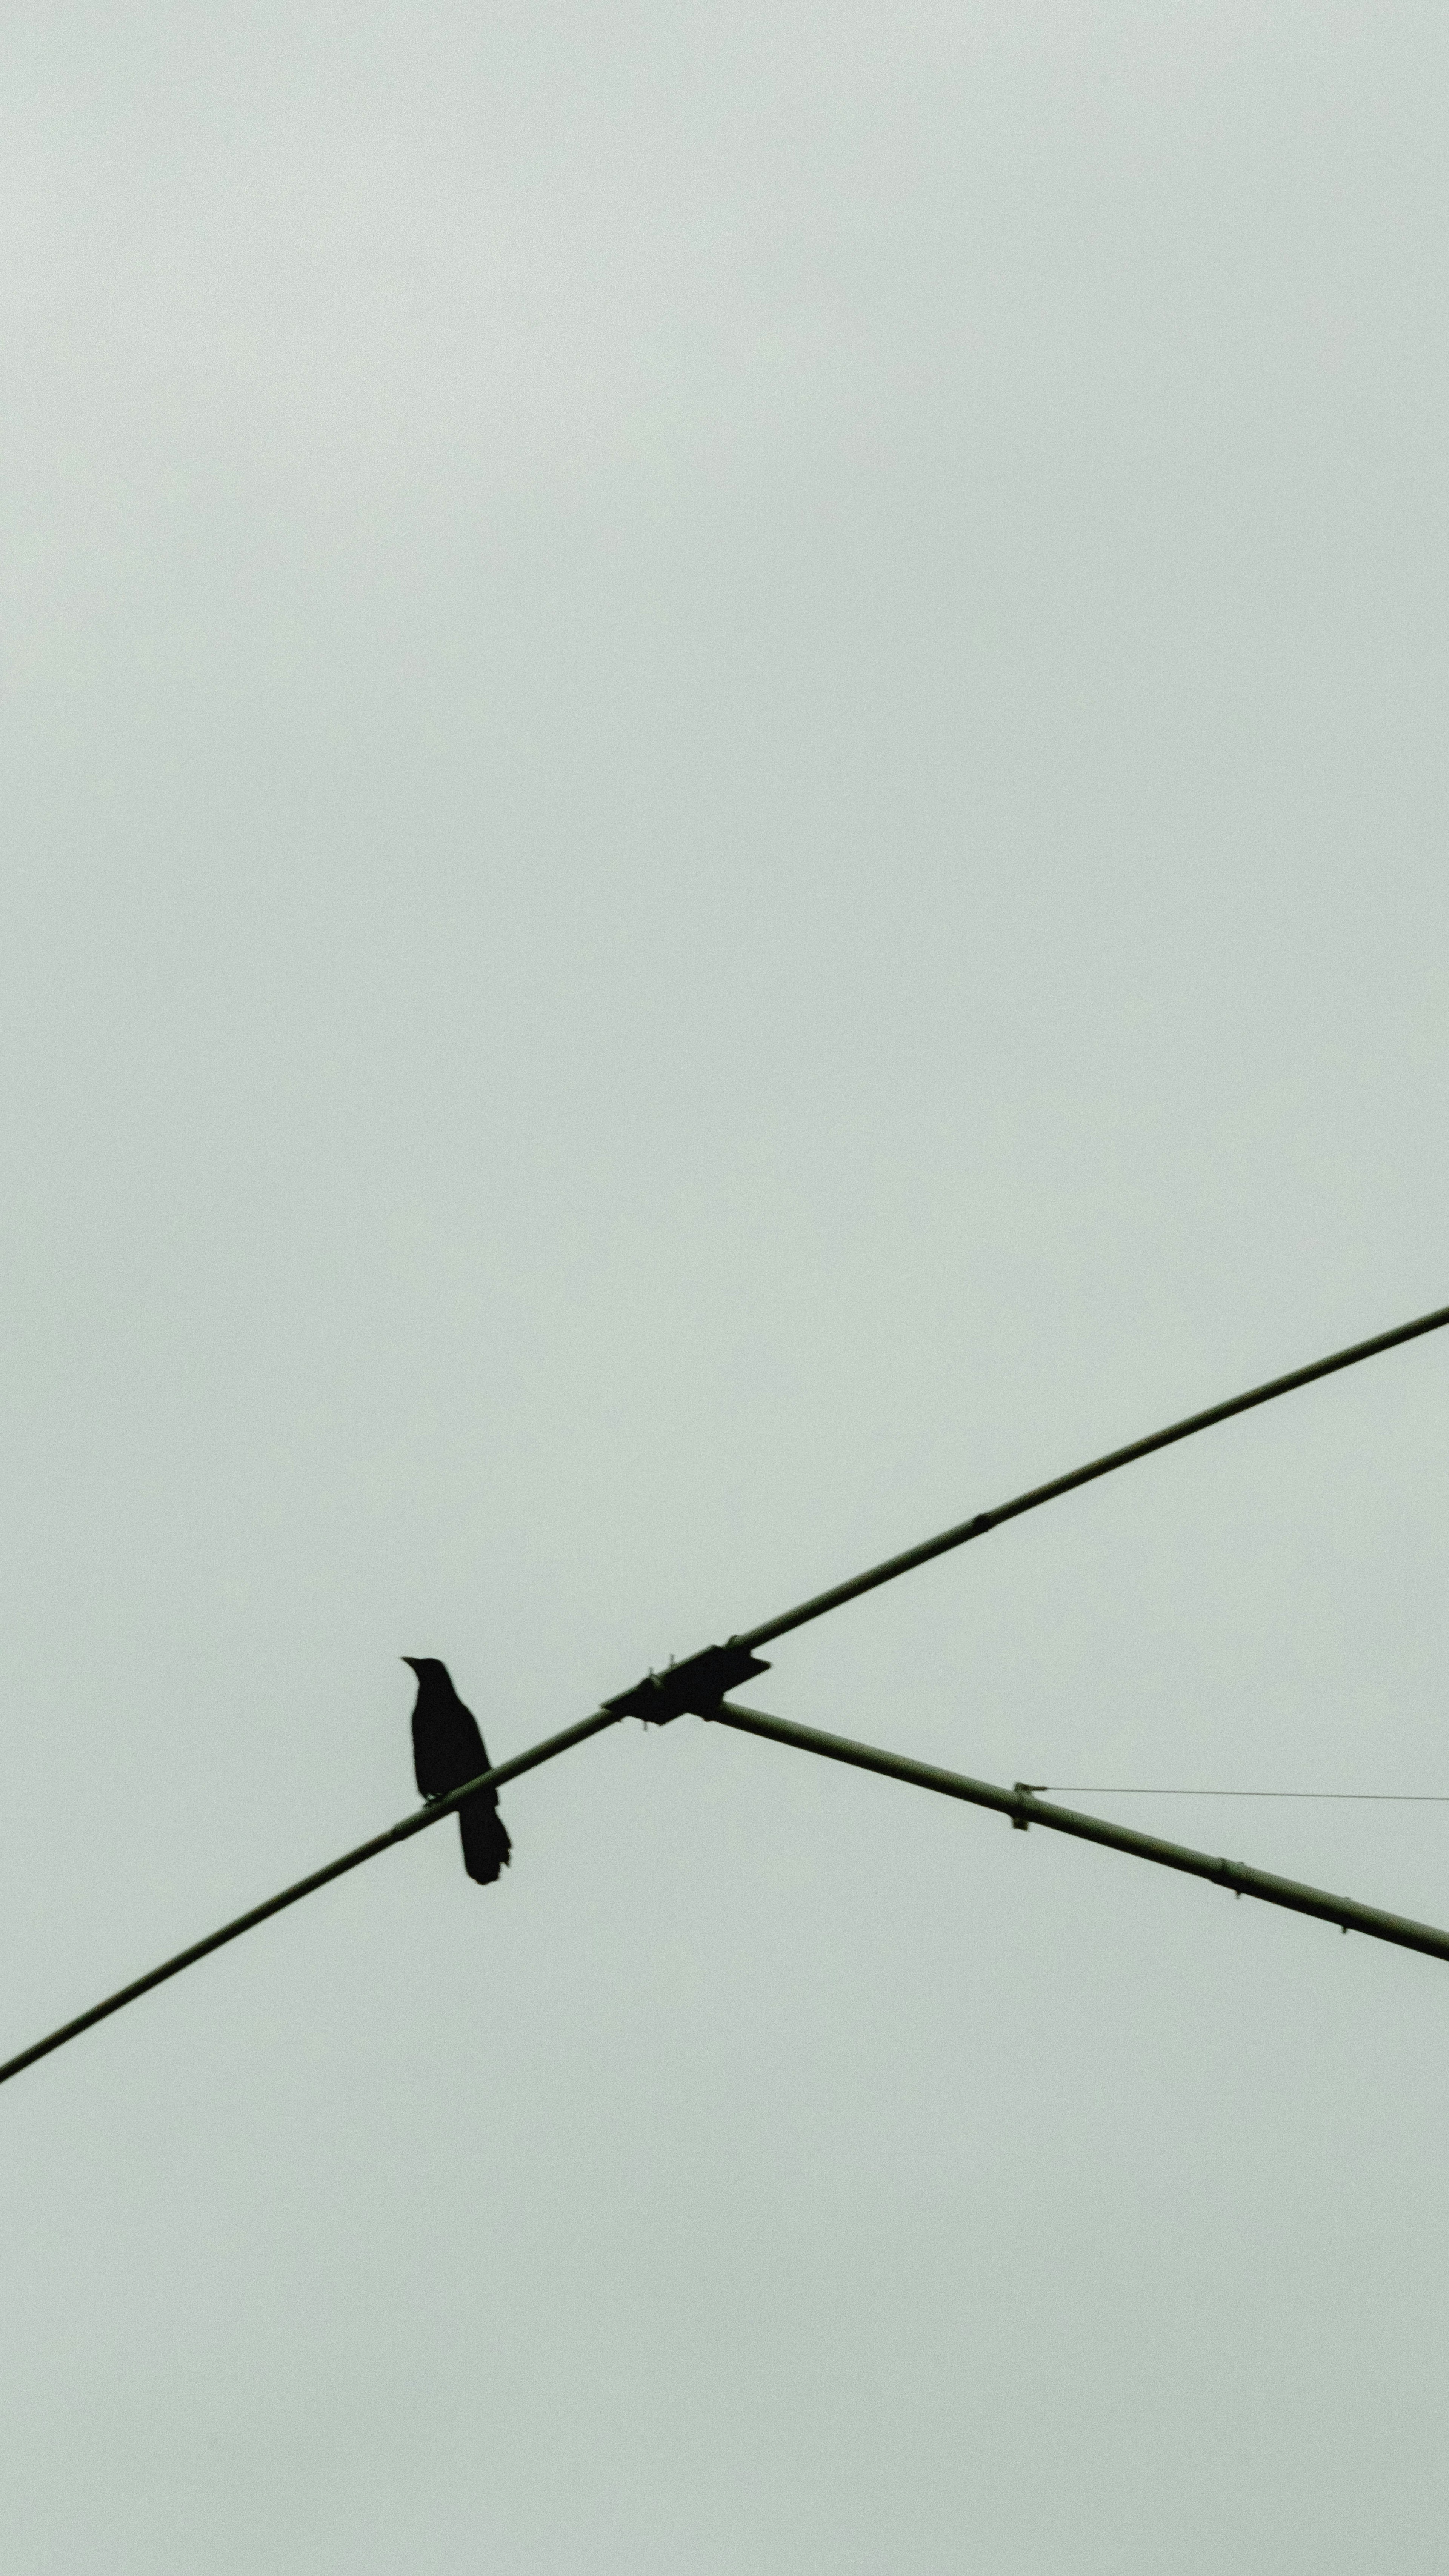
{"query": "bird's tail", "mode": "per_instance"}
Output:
(485, 1839)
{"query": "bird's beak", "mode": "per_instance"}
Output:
(410, 1660)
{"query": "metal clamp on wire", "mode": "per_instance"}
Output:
(697, 1685)
(1026, 1790)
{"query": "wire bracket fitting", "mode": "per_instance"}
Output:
(697, 1685)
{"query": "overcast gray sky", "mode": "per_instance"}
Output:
(725, 787)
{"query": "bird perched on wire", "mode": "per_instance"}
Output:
(447, 1750)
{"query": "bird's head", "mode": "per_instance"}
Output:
(427, 1667)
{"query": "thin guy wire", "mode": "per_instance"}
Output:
(1344, 1797)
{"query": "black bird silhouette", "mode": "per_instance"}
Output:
(447, 1750)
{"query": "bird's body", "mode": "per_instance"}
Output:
(448, 1750)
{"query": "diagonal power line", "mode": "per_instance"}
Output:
(700, 1681)
(410, 1825)
(1025, 1808)
(1095, 1467)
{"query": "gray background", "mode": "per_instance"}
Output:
(725, 781)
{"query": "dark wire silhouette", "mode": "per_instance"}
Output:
(417, 1823)
(1095, 1467)
(1025, 1809)
(700, 1682)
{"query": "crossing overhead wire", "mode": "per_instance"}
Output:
(1024, 1808)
